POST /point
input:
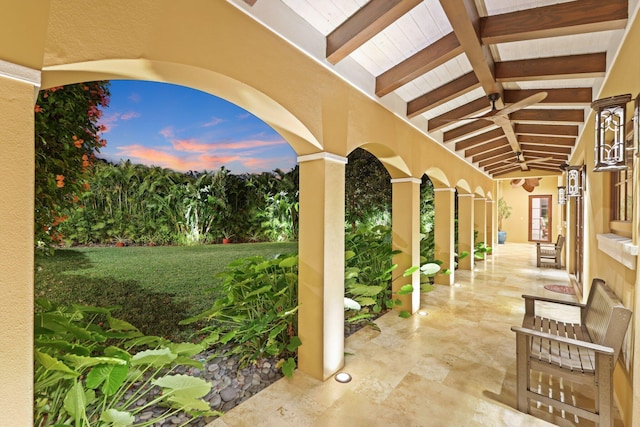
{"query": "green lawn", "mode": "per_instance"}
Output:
(155, 286)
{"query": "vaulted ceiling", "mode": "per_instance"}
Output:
(439, 64)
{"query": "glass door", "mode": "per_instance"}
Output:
(540, 219)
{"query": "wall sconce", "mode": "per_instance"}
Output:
(562, 195)
(574, 181)
(636, 125)
(610, 135)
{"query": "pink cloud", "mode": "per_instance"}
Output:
(134, 97)
(213, 122)
(191, 145)
(167, 132)
(130, 115)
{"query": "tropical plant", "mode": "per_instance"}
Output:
(257, 314)
(67, 136)
(504, 211)
(92, 369)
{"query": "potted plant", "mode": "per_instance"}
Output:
(226, 236)
(504, 212)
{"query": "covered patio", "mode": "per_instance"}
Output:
(453, 364)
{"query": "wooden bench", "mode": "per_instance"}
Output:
(582, 353)
(550, 252)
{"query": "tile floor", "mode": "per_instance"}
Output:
(455, 366)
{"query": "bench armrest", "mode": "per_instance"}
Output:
(564, 340)
(530, 306)
(553, 300)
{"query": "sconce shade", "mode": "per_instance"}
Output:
(610, 135)
(574, 181)
(562, 196)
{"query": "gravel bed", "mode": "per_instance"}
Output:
(232, 385)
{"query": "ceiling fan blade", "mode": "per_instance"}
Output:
(523, 103)
(545, 159)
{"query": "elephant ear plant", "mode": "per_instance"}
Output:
(92, 369)
(256, 316)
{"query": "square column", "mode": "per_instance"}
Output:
(465, 230)
(321, 264)
(491, 232)
(17, 163)
(405, 223)
(480, 221)
(444, 201)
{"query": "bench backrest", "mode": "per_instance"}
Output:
(559, 242)
(605, 317)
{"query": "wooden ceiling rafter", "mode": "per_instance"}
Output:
(546, 149)
(547, 140)
(418, 64)
(548, 116)
(558, 97)
(496, 143)
(472, 108)
(461, 131)
(479, 139)
(360, 27)
(577, 17)
(547, 129)
(458, 87)
(497, 159)
(492, 153)
(554, 67)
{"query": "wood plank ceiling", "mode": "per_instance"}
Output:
(445, 58)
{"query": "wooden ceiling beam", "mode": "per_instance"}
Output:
(541, 115)
(547, 140)
(498, 159)
(502, 142)
(472, 108)
(479, 139)
(493, 153)
(444, 93)
(501, 167)
(542, 129)
(465, 20)
(418, 64)
(576, 17)
(562, 97)
(360, 27)
(460, 131)
(556, 67)
(545, 149)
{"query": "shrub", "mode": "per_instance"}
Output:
(94, 369)
(257, 315)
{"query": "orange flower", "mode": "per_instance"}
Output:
(85, 157)
(37, 109)
(75, 199)
(86, 186)
(60, 181)
(78, 143)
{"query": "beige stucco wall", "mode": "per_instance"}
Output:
(517, 224)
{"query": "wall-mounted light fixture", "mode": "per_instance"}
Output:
(574, 181)
(610, 135)
(562, 195)
(636, 125)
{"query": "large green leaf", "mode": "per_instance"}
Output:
(185, 348)
(188, 404)
(294, 343)
(155, 358)
(183, 386)
(76, 400)
(288, 367)
(429, 268)
(120, 325)
(366, 290)
(258, 291)
(289, 262)
(405, 290)
(117, 418)
(52, 364)
(366, 301)
(81, 362)
(110, 376)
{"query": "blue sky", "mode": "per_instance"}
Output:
(184, 129)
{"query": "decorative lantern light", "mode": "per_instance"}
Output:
(574, 181)
(562, 195)
(610, 134)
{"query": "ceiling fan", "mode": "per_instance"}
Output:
(520, 159)
(496, 115)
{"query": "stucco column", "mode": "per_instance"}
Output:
(17, 160)
(406, 238)
(465, 230)
(491, 232)
(321, 266)
(444, 232)
(480, 220)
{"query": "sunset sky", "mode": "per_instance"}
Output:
(184, 129)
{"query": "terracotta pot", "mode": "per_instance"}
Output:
(119, 244)
(225, 241)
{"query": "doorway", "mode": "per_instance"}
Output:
(540, 219)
